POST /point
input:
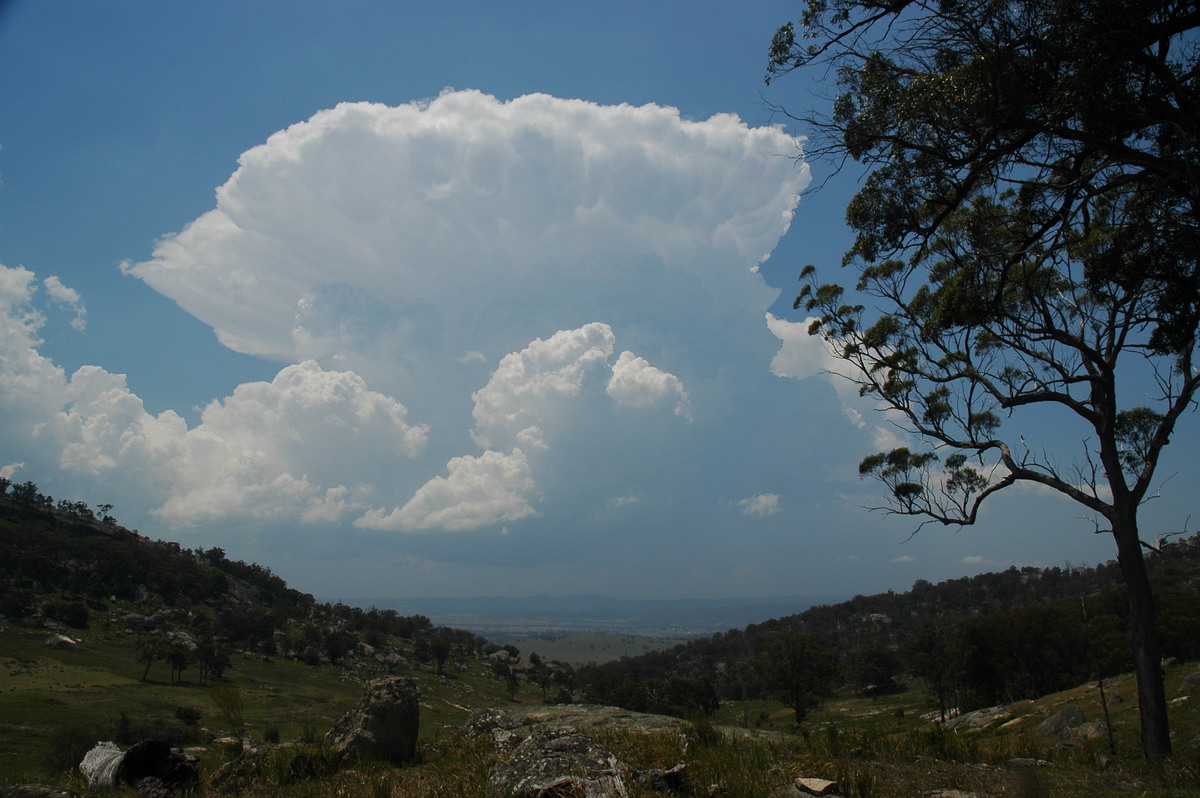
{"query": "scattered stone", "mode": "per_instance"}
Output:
(35, 791)
(384, 725)
(1026, 762)
(557, 761)
(949, 794)
(812, 786)
(1191, 681)
(1093, 729)
(1068, 717)
(61, 643)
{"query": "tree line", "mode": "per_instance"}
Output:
(971, 642)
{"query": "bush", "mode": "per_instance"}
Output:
(188, 716)
(74, 614)
(16, 604)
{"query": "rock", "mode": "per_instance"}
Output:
(1068, 717)
(1026, 762)
(977, 720)
(99, 765)
(813, 786)
(557, 761)
(149, 765)
(1093, 729)
(35, 791)
(1190, 681)
(949, 794)
(384, 725)
(521, 720)
(671, 780)
(61, 642)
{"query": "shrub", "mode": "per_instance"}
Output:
(188, 716)
(74, 614)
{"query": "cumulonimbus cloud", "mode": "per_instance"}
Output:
(471, 262)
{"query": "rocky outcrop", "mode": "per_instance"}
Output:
(384, 725)
(516, 722)
(978, 720)
(547, 751)
(558, 762)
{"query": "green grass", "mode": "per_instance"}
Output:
(55, 705)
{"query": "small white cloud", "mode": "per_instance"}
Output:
(635, 383)
(68, 298)
(973, 559)
(762, 505)
(904, 558)
(479, 491)
(624, 501)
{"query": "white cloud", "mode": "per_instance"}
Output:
(973, 559)
(527, 388)
(404, 248)
(800, 355)
(904, 558)
(310, 446)
(476, 205)
(762, 505)
(477, 491)
(635, 383)
(69, 298)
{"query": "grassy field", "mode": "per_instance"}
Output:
(54, 705)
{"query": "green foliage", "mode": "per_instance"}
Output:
(800, 669)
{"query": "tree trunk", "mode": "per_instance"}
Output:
(1147, 656)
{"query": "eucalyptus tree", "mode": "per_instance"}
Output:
(1026, 236)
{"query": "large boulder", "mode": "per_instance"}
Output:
(384, 725)
(99, 765)
(555, 761)
(149, 765)
(1069, 717)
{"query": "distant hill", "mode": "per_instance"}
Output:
(502, 618)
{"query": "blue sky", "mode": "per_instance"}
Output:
(407, 299)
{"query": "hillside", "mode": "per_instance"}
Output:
(975, 641)
(149, 638)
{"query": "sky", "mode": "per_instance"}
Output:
(412, 299)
